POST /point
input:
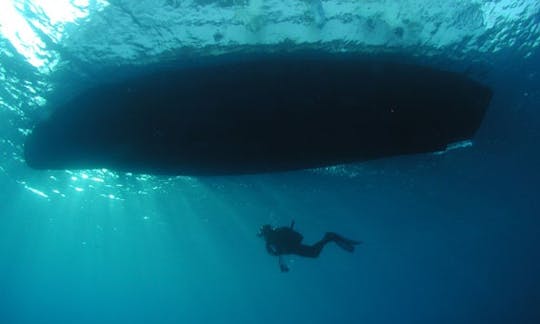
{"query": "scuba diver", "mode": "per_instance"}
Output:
(285, 240)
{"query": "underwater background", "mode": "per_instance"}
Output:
(448, 238)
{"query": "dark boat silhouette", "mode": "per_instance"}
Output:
(265, 113)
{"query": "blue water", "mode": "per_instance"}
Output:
(451, 238)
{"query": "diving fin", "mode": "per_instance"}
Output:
(344, 243)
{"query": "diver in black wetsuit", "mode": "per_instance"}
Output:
(285, 240)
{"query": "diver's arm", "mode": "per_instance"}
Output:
(282, 265)
(271, 249)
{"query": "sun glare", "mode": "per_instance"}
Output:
(17, 25)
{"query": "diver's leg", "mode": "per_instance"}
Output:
(313, 251)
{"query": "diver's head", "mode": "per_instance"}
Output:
(264, 230)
